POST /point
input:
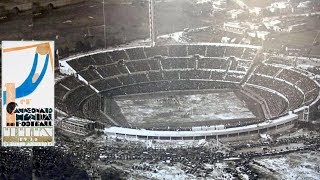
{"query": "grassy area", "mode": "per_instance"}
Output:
(298, 39)
(84, 22)
(302, 40)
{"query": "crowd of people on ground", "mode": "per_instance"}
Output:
(72, 159)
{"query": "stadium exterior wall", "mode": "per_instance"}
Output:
(230, 134)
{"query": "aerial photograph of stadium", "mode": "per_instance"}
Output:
(174, 89)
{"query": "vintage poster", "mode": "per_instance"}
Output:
(27, 93)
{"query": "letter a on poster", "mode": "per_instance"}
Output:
(27, 93)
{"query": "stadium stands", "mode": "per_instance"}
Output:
(267, 70)
(178, 51)
(169, 85)
(234, 77)
(173, 63)
(126, 80)
(117, 55)
(212, 63)
(289, 76)
(243, 65)
(155, 76)
(60, 92)
(91, 108)
(156, 51)
(89, 74)
(108, 70)
(101, 85)
(85, 61)
(101, 58)
(215, 51)
(277, 105)
(294, 96)
(75, 65)
(234, 51)
(197, 49)
(154, 64)
(114, 82)
(139, 78)
(170, 75)
(299, 81)
(191, 74)
(165, 51)
(233, 63)
(311, 96)
(249, 53)
(136, 53)
(179, 67)
(67, 97)
(217, 75)
(85, 75)
(76, 97)
(137, 66)
(191, 63)
(70, 82)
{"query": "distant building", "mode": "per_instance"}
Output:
(252, 26)
(235, 13)
(304, 5)
(225, 40)
(295, 50)
(273, 25)
(241, 4)
(280, 7)
(77, 126)
(234, 27)
(259, 34)
(256, 11)
(296, 27)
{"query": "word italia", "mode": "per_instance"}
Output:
(28, 132)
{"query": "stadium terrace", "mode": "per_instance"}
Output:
(97, 80)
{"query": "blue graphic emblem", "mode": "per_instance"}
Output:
(27, 87)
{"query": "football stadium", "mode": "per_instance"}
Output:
(186, 92)
(165, 89)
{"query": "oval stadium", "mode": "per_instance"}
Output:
(185, 92)
(163, 89)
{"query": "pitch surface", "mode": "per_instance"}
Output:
(173, 109)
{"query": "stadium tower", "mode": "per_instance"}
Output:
(151, 22)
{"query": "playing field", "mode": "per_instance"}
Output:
(182, 110)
